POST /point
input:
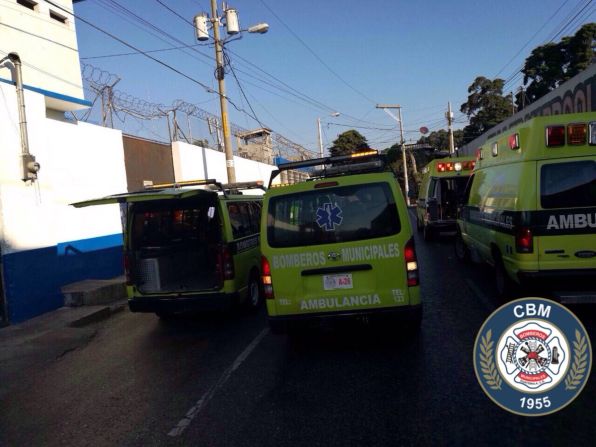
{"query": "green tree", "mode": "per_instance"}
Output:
(439, 139)
(347, 143)
(551, 64)
(486, 106)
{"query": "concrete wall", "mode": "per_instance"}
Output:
(194, 163)
(47, 47)
(44, 242)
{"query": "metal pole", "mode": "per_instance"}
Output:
(222, 95)
(449, 123)
(320, 138)
(403, 157)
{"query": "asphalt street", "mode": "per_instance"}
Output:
(225, 380)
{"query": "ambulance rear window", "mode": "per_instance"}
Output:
(331, 215)
(568, 185)
(162, 224)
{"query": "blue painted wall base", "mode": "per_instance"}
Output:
(33, 278)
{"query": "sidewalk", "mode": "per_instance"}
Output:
(43, 339)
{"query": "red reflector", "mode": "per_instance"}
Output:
(514, 141)
(524, 240)
(576, 134)
(326, 184)
(555, 136)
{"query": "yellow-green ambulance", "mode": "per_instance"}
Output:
(440, 195)
(189, 249)
(531, 207)
(339, 245)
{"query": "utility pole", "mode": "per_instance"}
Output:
(219, 74)
(320, 138)
(512, 105)
(449, 116)
(333, 114)
(386, 108)
(232, 28)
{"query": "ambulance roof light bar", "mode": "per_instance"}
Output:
(340, 161)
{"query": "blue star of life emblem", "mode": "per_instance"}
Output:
(328, 216)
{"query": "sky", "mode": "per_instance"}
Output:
(325, 57)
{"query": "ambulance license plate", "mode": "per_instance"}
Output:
(332, 282)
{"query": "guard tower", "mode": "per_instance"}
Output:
(256, 145)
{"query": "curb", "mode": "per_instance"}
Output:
(98, 315)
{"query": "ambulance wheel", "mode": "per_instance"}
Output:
(254, 295)
(277, 327)
(505, 286)
(462, 252)
(165, 317)
(427, 233)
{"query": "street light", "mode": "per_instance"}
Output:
(386, 108)
(333, 114)
(232, 25)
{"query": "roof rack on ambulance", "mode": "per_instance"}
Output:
(226, 188)
(370, 160)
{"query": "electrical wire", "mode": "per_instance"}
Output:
(316, 55)
(123, 42)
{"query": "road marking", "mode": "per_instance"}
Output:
(483, 298)
(205, 398)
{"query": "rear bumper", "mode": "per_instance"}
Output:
(569, 286)
(180, 304)
(443, 226)
(404, 314)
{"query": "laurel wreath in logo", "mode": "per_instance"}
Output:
(578, 368)
(487, 363)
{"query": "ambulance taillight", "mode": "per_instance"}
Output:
(555, 136)
(576, 134)
(524, 240)
(411, 263)
(513, 141)
(127, 273)
(266, 278)
(224, 264)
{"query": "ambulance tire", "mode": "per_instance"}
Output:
(506, 287)
(277, 327)
(413, 325)
(165, 317)
(427, 233)
(254, 296)
(462, 252)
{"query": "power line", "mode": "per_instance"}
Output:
(532, 38)
(123, 42)
(316, 55)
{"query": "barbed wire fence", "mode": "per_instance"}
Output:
(180, 121)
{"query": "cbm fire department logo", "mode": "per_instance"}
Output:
(532, 357)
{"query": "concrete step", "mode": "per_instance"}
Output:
(90, 292)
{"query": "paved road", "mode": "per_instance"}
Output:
(226, 381)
